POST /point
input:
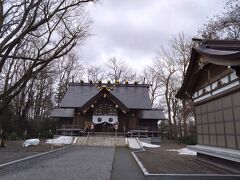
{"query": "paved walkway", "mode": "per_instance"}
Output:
(125, 167)
(74, 163)
(87, 163)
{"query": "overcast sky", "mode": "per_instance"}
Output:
(135, 29)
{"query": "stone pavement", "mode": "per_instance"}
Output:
(101, 141)
(125, 166)
(75, 163)
(87, 163)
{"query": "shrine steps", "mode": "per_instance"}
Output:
(101, 141)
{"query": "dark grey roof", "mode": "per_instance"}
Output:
(152, 114)
(215, 52)
(134, 97)
(131, 95)
(218, 52)
(77, 96)
(62, 112)
(220, 57)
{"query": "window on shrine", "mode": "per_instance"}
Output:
(105, 108)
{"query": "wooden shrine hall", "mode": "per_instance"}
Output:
(212, 83)
(106, 107)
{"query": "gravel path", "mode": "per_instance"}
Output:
(72, 163)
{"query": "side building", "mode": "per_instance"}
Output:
(105, 107)
(212, 83)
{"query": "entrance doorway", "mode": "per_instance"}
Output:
(104, 127)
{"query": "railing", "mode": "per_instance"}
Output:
(70, 127)
(70, 130)
(143, 131)
(133, 131)
(144, 128)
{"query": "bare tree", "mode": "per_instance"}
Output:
(155, 90)
(33, 34)
(224, 26)
(165, 67)
(176, 106)
(118, 70)
(181, 46)
(166, 75)
(67, 69)
(37, 32)
(95, 73)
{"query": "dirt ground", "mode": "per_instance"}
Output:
(14, 150)
(160, 161)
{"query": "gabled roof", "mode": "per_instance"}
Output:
(218, 52)
(61, 112)
(133, 96)
(157, 114)
(78, 95)
(104, 92)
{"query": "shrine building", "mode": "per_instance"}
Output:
(103, 107)
(212, 84)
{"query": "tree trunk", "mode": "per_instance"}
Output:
(169, 116)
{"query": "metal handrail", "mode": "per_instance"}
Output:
(71, 127)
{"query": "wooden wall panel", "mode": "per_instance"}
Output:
(218, 122)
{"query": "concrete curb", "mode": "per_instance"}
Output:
(144, 170)
(33, 156)
(146, 173)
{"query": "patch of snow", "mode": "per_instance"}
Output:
(150, 145)
(133, 144)
(172, 150)
(31, 142)
(60, 140)
(184, 151)
(75, 140)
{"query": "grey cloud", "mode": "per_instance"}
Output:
(136, 29)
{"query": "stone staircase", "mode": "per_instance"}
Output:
(101, 141)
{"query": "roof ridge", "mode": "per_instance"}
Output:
(118, 85)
